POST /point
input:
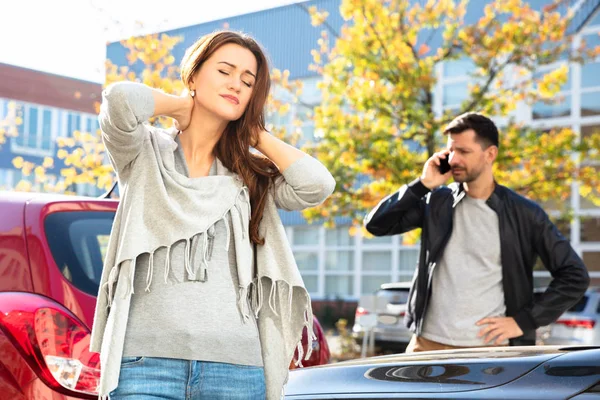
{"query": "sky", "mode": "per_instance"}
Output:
(68, 37)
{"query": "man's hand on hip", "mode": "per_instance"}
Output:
(499, 329)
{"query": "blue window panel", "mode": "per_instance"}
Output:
(458, 67)
(590, 75)
(73, 124)
(32, 128)
(89, 125)
(590, 104)
(596, 19)
(61, 126)
(20, 139)
(47, 130)
(455, 93)
(592, 41)
(542, 110)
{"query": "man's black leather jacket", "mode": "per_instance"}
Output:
(525, 233)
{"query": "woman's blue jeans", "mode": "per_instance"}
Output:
(149, 378)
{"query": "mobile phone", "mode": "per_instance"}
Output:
(444, 165)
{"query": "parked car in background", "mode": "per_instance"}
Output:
(389, 307)
(530, 372)
(580, 325)
(51, 254)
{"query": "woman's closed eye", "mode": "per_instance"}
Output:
(227, 73)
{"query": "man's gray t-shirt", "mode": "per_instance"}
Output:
(467, 281)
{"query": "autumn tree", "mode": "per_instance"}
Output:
(378, 121)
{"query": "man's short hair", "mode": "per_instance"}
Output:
(485, 129)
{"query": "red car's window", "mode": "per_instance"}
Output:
(78, 241)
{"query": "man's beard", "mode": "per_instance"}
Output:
(467, 176)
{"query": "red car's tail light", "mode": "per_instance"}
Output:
(577, 323)
(53, 341)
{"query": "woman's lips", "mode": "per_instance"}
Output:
(231, 99)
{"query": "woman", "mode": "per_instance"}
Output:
(198, 210)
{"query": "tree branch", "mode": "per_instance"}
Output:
(382, 44)
(325, 23)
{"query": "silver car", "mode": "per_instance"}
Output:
(580, 325)
(389, 306)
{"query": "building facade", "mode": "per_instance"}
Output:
(50, 106)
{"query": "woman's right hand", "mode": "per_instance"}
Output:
(184, 113)
(431, 176)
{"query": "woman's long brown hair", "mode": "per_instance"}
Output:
(233, 148)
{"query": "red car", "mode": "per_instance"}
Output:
(51, 253)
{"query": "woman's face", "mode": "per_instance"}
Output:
(225, 82)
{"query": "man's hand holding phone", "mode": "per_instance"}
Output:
(436, 171)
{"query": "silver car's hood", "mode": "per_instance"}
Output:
(441, 371)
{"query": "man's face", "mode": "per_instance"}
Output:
(467, 157)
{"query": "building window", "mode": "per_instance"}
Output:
(588, 130)
(32, 128)
(590, 89)
(590, 229)
(595, 20)
(380, 261)
(591, 259)
(47, 129)
(338, 237)
(91, 125)
(376, 267)
(590, 104)
(306, 235)
(6, 179)
(35, 133)
(73, 123)
(339, 260)
(460, 67)
(311, 282)
(407, 263)
(339, 286)
(307, 260)
(455, 94)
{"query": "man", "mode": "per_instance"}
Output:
(479, 243)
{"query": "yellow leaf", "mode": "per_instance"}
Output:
(48, 162)
(40, 172)
(68, 172)
(23, 186)
(18, 162)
